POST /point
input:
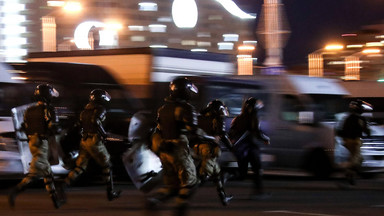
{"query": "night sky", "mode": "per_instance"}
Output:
(314, 23)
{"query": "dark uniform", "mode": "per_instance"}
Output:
(244, 133)
(40, 123)
(351, 130)
(92, 142)
(176, 127)
(212, 122)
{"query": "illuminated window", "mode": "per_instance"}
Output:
(225, 46)
(137, 38)
(215, 17)
(136, 28)
(231, 37)
(188, 42)
(204, 44)
(157, 28)
(174, 40)
(164, 19)
(203, 34)
(13, 42)
(250, 42)
(147, 6)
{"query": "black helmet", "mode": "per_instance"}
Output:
(182, 88)
(217, 107)
(99, 96)
(252, 104)
(45, 92)
(359, 106)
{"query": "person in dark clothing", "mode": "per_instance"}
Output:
(92, 142)
(244, 133)
(351, 129)
(95, 34)
(176, 130)
(40, 123)
(212, 122)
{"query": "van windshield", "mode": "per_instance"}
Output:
(232, 96)
(328, 105)
(74, 83)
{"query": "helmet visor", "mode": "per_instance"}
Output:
(192, 88)
(259, 104)
(106, 97)
(366, 106)
(54, 92)
(224, 111)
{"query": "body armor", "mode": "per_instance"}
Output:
(176, 118)
(40, 119)
(92, 119)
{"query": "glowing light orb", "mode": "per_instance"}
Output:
(108, 34)
(184, 13)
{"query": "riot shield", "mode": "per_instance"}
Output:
(21, 137)
(142, 165)
(22, 142)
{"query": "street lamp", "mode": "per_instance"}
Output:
(49, 23)
(72, 6)
(184, 13)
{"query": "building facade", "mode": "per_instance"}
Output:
(198, 25)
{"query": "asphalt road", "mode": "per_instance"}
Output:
(289, 197)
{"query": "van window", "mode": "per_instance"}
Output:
(329, 105)
(291, 106)
(74, 83)
(232, 96)
(13, 95)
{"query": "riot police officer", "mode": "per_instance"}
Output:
(40, 123)
(92, 143)
(212, 122)
(351, 130)
(176, 129)
(244, 133)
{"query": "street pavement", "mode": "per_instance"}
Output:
(289, 197)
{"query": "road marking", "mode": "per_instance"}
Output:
(298, 213)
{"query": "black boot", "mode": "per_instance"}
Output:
(181, 210)
(220, 191)
(57, 201)
(61, 186)
(112, 194)
(19, 188)
(351, 177)
(12, 196)
(16, 190)
(224, 198)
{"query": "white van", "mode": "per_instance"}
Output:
(74, 83)
(298, 116)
